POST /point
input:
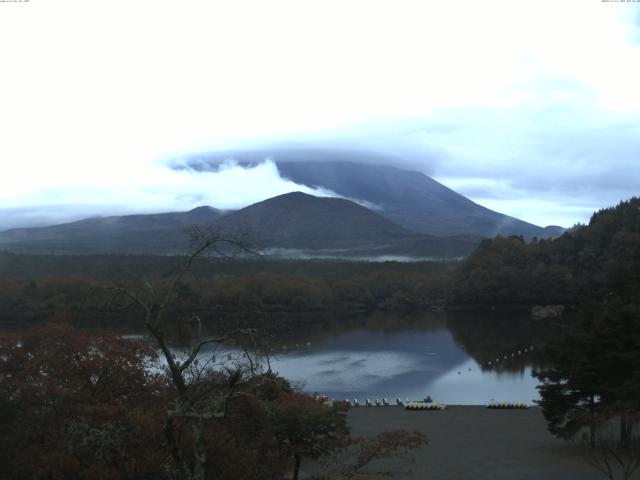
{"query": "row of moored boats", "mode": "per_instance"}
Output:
(429, 404)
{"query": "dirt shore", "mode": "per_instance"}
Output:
(475, 443)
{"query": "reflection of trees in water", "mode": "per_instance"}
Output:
(484, 335)
(385, 321)
(295, 330)
(497, 339)
(300, 330)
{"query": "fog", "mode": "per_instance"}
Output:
(297, 254)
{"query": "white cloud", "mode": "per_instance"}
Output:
(95, 95)
(151, 189)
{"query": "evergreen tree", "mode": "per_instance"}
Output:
(595, 375)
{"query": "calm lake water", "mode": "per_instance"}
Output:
(462, 358)
(447, 360)
(408, 364)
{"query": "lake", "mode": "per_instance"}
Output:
(462, 361)
(460, 358)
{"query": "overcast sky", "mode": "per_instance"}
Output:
(531, 108)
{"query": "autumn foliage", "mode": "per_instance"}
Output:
(78, 406)
(75, 405)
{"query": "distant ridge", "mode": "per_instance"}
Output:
(142, 233)
(335, 227)
(410, 214)
(408, 198)
(294, 224)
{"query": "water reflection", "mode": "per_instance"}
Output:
(452, 357)
(409, 364)
(480, 387)
(500, 340)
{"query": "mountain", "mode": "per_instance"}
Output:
(408, 213)
(294, 224)
(301, 220)
(333, 226)
(150, 233)
(552, 231)
(408, 198)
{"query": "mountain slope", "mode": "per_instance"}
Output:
(293, 224)
(333, 226)
(150, 233)
(301, 220)
(408, 198)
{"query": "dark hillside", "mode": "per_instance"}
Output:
(594, 261)
(304, 221)
(334, 226)
(294, 224)
(152, 233)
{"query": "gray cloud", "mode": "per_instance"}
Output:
(566, 152)
(555, 159)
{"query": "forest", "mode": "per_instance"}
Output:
(250, 290)
(591, 379)
(75, 404)
(587, 262)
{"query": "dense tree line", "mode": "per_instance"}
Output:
(79, 288)
(118, 267)
(592, 378)
(594, 370)
(586, 262)
(508, 271)
(592, 375)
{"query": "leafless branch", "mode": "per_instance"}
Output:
(199, 398)
(610, 456)
(230, 336)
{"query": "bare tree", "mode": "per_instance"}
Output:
(614, 455)
(203, 388)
